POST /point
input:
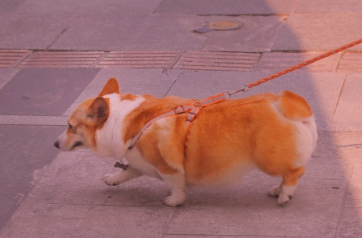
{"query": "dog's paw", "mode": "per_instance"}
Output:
(283, 199)
(275, 191)
(174, 201)
(110, 179)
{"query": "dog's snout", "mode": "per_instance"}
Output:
(56, 144)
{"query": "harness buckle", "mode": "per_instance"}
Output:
(191, 116)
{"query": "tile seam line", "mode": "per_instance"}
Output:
(342, 207)
(339, 96)
(23, 59)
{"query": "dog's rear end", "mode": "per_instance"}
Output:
(276, 134)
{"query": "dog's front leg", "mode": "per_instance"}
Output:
(176, 182)
(121, 176)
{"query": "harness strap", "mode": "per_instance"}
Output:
(192, 110)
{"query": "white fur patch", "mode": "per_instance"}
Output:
(136, 160)
(109, 139)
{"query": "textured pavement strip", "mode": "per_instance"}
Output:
(61, 59)
(218, 61)
(189, 60)
(9, 58)
(139, 59)
(33, 120)
(351, 62)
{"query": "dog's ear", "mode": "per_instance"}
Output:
(110, 87)
(97, 112)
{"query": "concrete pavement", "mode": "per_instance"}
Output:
(53, 55)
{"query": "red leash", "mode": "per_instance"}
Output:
(298, 66)
(194, 108)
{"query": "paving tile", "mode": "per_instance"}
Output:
(134, 81)
(122, 32)
(9, 7)
(32, 31)
(43, 91)
(10, 58)
(304, 31)
(229, 7)
(24, 149)
(227, 61)
(48, 220)
(249, 214)
(321, 90)
(78, 182)
(61, 59)
(139, 59)
(6, 75)
(330, 6)
(93, 7)
(350, 225)
(33, 120)
(257, 34)
(327, 161)
(349, 106)
(283, 60)
(350, 62)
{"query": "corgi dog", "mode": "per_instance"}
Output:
(276, 134)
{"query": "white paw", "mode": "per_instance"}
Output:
(110, 179)
(275, 192)
(174, 201)
(283, 199)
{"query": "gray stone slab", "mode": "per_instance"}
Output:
(319, 31)
(32, 31)
(24, 149)
(229, 7)
(327, 162)
(8, 7)
(349, 105)
(256, 214)
(91, 7)
(321, 90)
(350, 223)
(354, 196)
(43, 91)
(330, 6)
(349, 146)
(6, 75)
(78, 181)
(135, 81)
(257, 34)
(33, 120)
(70, 197)
(124, 32)
(52, 220)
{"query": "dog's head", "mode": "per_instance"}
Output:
(86, 119)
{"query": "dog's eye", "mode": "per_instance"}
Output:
(70, 126)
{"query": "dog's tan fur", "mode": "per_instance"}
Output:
(274, 133)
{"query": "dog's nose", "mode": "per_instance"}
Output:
(56, 144)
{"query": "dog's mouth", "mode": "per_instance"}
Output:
(77, 144)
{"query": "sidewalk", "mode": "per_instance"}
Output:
(53, 55)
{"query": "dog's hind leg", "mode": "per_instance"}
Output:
(286, 189)
(121, 176)
(176, 182)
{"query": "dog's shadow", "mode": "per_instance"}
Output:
(146, 191)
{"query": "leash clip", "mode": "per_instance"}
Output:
(243, 89)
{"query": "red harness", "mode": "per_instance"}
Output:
(192, 110)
